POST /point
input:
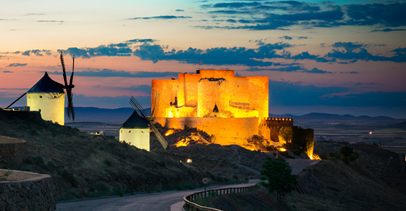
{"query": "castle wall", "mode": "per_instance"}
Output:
(136, 137)
(259, 95)
(269, 128)
(211, 93)
(51, 105)
(167, 90)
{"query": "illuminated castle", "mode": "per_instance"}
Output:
(215, 101)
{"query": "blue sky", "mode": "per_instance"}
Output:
(320, 56)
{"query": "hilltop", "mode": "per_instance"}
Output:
(84, 165)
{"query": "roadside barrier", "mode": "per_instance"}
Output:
(191, 206)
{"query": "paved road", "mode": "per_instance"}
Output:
(139, 202)
(166, 201)
(299, 164)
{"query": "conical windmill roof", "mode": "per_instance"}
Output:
(135, 121)
(47, 85)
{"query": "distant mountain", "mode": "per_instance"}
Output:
(325, 116)
(119, 115)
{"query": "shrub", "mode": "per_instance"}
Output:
(120, 192)
(348, 154)
(107, 161)
(68, 176)
(279, 176)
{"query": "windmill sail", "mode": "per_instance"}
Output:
(141, 111)
(68, 87)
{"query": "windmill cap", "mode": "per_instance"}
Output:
(135, 121)
(47, 85)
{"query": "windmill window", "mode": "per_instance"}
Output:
(129, 131)
(54, 96)
(142, 131)
(40, 96)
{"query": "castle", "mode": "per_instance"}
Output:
(231, 108)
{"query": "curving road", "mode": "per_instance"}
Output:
(139, 202)
(167, 201)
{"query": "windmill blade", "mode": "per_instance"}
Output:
(63, 69)
(134, 103)
(139, 106)
(138, 110)
(71, 112)
(161, 139)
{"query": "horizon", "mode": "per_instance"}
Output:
(342, 57)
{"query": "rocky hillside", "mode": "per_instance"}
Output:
(372, 182)
(84, 165)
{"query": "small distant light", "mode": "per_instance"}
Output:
(180, 161)
(370, 133)
(189, 160)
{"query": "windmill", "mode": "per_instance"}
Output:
(143, 114)
(48, 97)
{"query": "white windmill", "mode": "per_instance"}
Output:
(48, 97)
(135, 130)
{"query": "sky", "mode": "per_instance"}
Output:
(341, 57)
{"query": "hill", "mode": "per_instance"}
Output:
(84, 165)
(375, 181)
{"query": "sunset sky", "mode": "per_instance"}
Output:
(343, 57)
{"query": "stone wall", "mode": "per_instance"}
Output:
(11, 149)
(34, 193)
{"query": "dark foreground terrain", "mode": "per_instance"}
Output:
(84, 165)
(375, 181)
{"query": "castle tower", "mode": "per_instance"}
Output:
(135, 131)
(48, 97)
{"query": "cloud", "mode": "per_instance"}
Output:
(317, 71)
(179, 10)
(279, 15)
(119, 73)
(141, 40)
(282, 69)
(103, 50)
(214, 56)
(295, 67)
(50, 21)
(231, 5)
(387, 30)
(286, 37)
(391, 15)
(17, 65)
(164, 17)
(41, 13)
(354, 51)
(302, 37)
(306, 55)
(351, 72)
(7, 71)
(36, 52)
